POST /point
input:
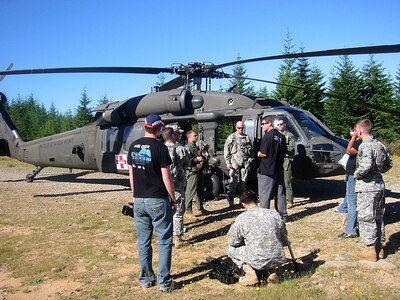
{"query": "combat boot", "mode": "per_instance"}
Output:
(368, 254)
(179, 242)
(230, 201)
(190, 218)
(273, 278)
(380, 250)
(250, 276)
(197, 213)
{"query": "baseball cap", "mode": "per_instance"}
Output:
(153, 121)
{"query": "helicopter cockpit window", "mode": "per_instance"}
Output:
(290, 127)
(249, 125)
(309, 126)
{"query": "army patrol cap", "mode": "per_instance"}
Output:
(248, 196)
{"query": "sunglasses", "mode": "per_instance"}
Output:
(264, 124)
(239, 127)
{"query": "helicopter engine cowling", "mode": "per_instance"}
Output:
(176, 102)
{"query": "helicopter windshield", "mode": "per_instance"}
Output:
(310, 127)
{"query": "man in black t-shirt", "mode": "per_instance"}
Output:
(270, 174)
(154, 201)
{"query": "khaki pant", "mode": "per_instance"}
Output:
(194, 190)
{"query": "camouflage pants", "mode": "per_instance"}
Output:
(237, 180)
(180, 211)
(370, 211)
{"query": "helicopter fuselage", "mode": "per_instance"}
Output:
(103, 145)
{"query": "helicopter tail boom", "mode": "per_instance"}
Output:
(9, 135)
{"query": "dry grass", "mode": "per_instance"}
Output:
(63, 237)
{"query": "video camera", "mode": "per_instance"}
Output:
(127, 209)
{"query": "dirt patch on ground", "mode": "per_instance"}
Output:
(63, 237)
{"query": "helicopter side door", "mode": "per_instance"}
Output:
(114, 144)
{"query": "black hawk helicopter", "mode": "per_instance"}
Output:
(103, 145)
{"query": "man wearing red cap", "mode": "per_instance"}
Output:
(154, 198)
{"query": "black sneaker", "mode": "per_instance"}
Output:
(344, 235)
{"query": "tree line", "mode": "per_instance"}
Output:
(369, 84)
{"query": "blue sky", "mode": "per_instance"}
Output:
(48, 33)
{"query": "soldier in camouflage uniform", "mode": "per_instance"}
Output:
(238, 154)
(180, 159)
(372, 160)
(256, 239)
(280, 125)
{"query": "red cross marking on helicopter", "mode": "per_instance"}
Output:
(121, 162)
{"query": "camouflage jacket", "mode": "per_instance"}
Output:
(372, 160)
(180, 160)
(238, 150)
(263, 233)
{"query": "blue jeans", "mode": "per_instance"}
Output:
(351, 196)
(154, 213)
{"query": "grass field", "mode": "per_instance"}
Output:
(64, 237)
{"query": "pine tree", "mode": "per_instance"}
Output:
(103, 100)
(377, 89)
(263, 92)
(339, 115)
(52, 122)
(83, 112)
(241, 86)
(310, 78)
(67, 121)
(286, 72)
(397, 85)
(29, 116)
(161, 79)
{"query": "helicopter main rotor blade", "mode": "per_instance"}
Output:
(8, 69)
(332, 52)
(330, 95)
(132, 70)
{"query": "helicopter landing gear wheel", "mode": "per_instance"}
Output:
(31, 176)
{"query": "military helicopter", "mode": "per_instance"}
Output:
(103, 145)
